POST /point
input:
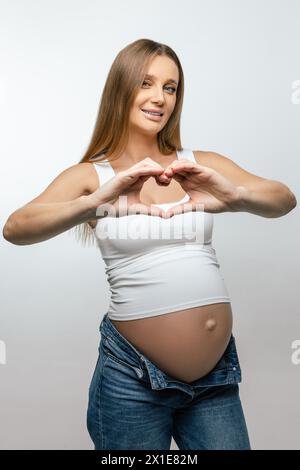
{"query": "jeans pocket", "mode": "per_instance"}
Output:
(117, 355)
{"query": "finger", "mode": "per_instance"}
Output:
(162, 180)
(179, 178)
(198, 170)
(179, 165)
(145, 178)
(136, 209)
(148, 160)
(152, 169)
(162, 177)
(157, 212)
(180, 209)
(143, 171)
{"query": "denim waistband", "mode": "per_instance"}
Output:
(226, 371)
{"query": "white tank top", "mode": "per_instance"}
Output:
(154, 265)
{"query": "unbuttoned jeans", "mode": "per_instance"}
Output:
(132, 404)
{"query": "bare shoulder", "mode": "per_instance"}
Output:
(86, 172)
(93, 182)
(210, 159)
(72, 182)
(88, 175)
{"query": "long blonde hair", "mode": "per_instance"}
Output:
(110, 135)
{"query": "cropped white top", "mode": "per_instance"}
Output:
(156, 266)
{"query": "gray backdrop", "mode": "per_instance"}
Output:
(242, 99)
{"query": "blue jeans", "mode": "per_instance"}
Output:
(134, 405)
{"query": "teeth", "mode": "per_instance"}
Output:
(154, 114)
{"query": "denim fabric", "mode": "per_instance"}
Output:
(132, 404)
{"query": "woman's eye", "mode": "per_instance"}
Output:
(173, 89)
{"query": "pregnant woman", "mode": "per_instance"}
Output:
(167, 364)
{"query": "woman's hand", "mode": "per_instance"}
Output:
(120, 195)
(208, 190)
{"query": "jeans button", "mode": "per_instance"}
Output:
(139, 372)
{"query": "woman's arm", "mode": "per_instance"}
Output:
(268, 198)
(72, 199)
(257, 195)
(60, 207)
(36, 222)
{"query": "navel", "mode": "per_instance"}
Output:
(210, 324)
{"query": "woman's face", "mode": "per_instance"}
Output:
(157, 92)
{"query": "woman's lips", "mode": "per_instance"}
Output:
(151, 116)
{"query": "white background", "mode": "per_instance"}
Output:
(240, 61)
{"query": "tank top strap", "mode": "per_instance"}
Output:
(186, 154)
(104, 171)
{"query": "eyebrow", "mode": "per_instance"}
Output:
(169, 79)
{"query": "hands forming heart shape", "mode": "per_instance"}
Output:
(209, 191)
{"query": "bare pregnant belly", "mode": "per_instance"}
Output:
(186, 344)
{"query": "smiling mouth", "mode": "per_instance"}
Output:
(152, 113)
(152, 117)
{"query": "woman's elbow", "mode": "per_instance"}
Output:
(9, 232)
(293, 201)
